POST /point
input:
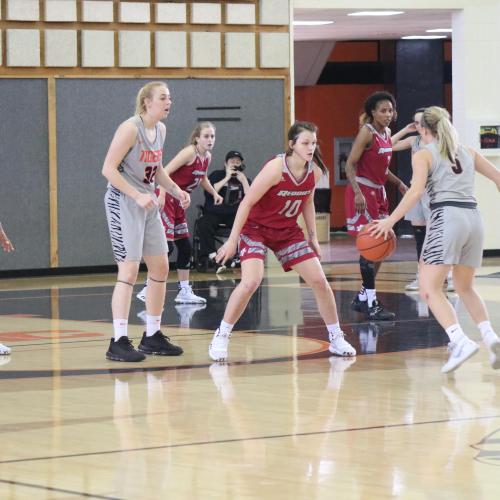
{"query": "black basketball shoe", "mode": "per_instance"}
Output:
(377, 312)
(359, 305)
(159, 344)
(123, 350)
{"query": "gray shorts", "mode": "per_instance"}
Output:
(421, 211)
(134, 231)
(454, 236)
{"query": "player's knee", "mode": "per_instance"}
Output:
(184, 251)
(250, 285)
(127, 272)
(127, 276)
(159, 272)
(428, 290)
(424, 294)
(462, 288)
(319, 284)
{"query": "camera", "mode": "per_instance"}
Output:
(239, 168)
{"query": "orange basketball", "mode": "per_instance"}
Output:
(372, 248)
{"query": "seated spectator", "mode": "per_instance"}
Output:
(232, 184)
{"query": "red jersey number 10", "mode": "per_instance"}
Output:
(291, 208)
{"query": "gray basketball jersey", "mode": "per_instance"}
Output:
(140, 164)
(449, 181)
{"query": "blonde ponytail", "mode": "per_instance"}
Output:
(437, 121)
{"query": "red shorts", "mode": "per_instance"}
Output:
(377, 207)
(174, 220)
(289, 244)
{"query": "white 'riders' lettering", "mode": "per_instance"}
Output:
(285, 192)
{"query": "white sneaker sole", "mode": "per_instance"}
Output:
(333, 350)
(5, 351)
(188, 301)
(219, 356)
(460, 361)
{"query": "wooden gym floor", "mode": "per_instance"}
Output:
(282, 420)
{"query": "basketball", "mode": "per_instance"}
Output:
(375, 248)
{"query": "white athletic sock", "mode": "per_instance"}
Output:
(371, 295)
(487, 333)
(225, 329)
(362, 294)
(334, 329)
(153, 324)
(183, 284)
(120, 328)
(455, 333)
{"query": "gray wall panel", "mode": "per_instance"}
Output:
(88, 112)
(24, 172)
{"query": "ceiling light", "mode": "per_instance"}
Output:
(423, 37)
(377, 13)
(311, 23)
(439, 30)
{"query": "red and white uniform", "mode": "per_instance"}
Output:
(187, 177)
(371, 175)
(272, 221)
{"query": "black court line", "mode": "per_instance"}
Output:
(276, 281)
(254, 438)
(261, 331)
(58, 490)
(9, 375)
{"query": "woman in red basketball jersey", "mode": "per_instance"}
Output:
(188, 169)
(267, 218)
(367, 169)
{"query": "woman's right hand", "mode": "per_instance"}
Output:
(360, 202)
(225, 252)
(146, 201)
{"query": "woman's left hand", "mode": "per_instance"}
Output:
(314, 244)
(381, 227)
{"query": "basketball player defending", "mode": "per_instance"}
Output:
(367, 169)
(455, 233)
(267, 218)
(132, 166)
(188, 169)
